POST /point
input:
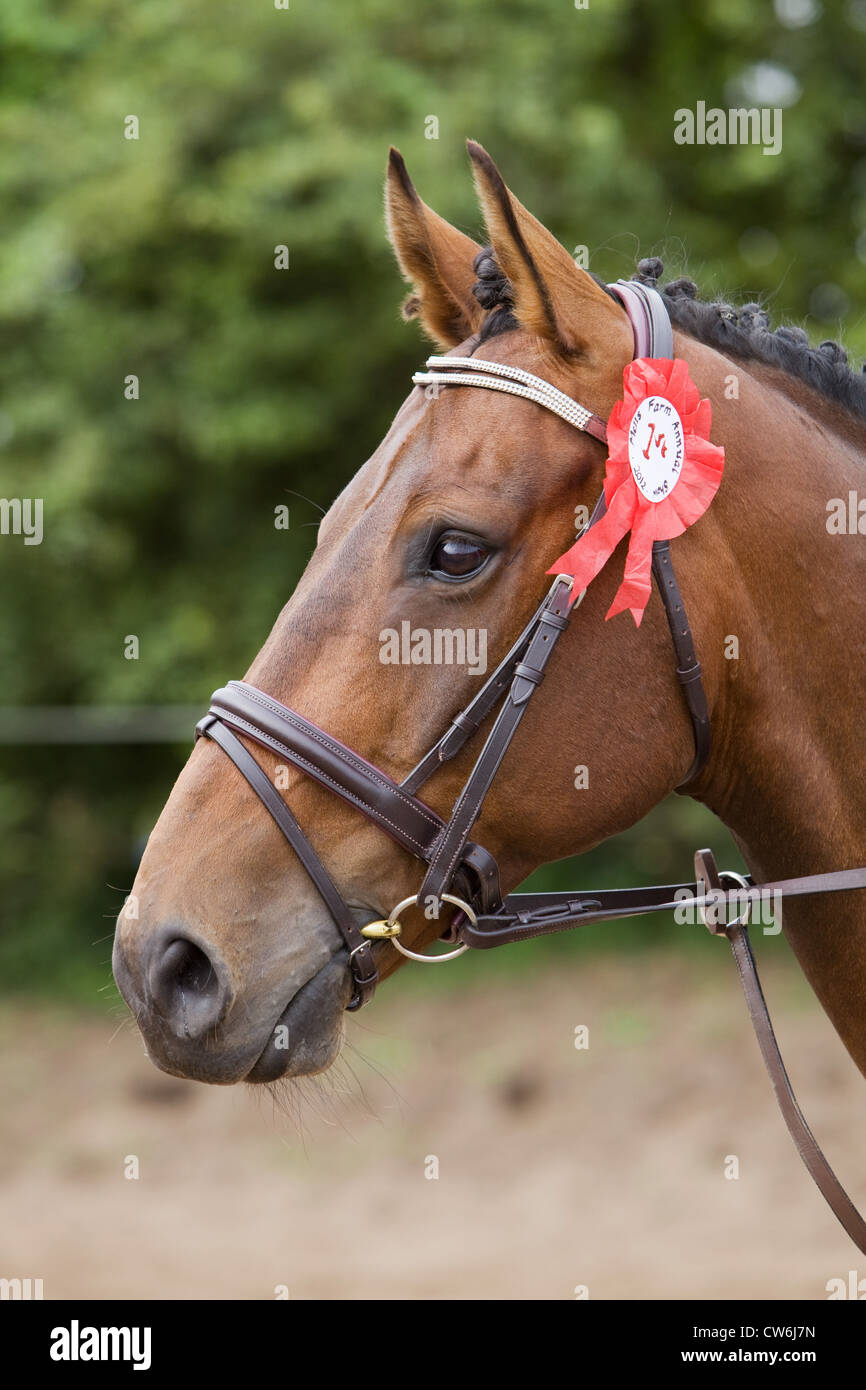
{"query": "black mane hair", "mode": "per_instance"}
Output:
(740, 332)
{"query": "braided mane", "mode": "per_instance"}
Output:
(743, 332)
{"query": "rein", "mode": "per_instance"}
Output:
(464, 874)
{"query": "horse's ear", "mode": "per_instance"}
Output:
(553, 297)
(435, 258)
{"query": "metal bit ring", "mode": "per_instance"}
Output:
(393, 921)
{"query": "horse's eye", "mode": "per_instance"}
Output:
(457, 557)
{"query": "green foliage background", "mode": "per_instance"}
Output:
(261, 126)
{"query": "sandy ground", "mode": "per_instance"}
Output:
(557, 1167)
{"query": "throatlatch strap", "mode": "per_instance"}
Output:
(689, 672)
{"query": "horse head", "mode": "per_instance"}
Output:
(451, 524)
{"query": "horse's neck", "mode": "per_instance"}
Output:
(788, 729)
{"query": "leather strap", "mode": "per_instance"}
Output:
(470, 719)
(528, 675)
(402, 816)
(527, 915)
(689, 672)
(361, 962)
(650, 321)
(807, 1145)
(597, 428)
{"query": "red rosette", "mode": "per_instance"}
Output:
(662, 473)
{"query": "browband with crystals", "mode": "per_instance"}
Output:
(653, 337)
(500, 376)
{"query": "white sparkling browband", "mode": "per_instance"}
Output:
(499, 376)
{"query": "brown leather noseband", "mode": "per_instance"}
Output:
(457, 867)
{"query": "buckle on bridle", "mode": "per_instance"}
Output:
(712, 912)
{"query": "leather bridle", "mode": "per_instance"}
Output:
(461, 872)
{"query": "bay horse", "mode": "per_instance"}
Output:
(456, 518)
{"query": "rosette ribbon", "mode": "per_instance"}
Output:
(662, 473)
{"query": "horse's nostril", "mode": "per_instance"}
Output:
(187, 986)
(192, 967)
